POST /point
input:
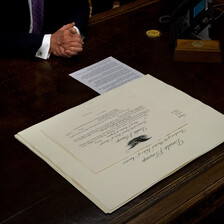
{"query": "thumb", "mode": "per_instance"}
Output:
(69, 26)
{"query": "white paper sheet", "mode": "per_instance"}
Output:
(106, 75)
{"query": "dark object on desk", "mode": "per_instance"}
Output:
(208, 51)
(191, 19)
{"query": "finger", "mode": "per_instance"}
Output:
(78, 38)
(76, 42)
(62, 52)
(72, 44)
(73, 31)
(68, 26)
(74, 49)
(71, 53)
(56, 53)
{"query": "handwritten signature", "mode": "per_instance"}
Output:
(135, 141)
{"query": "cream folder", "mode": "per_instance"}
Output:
(201, 129)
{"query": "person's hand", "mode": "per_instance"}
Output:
(66, 42)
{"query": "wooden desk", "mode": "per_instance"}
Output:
(34, 90)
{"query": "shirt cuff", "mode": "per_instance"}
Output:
(43, 51)
(77, 29)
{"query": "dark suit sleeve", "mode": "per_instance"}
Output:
(15, 39)
(64, 12)
(20, 44)
(81, 16)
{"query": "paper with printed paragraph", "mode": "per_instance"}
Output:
(106, 75)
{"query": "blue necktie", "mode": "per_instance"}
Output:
(38, 15)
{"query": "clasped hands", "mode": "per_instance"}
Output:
(66, 41)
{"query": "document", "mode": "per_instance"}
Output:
(112, 130)
(169, 129)
(106, 75)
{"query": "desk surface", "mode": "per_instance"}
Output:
(34, 90)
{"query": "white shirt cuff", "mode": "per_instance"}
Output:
(77, 29)
(43, 51)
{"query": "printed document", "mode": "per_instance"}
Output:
(106, 75)
(112, 130)
(151, 133)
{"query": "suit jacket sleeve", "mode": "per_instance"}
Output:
(20, 44)
(15, 39)
(81, 16)
(64, 12)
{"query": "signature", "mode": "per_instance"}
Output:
(135, 141)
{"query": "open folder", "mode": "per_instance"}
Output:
(117, 145)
